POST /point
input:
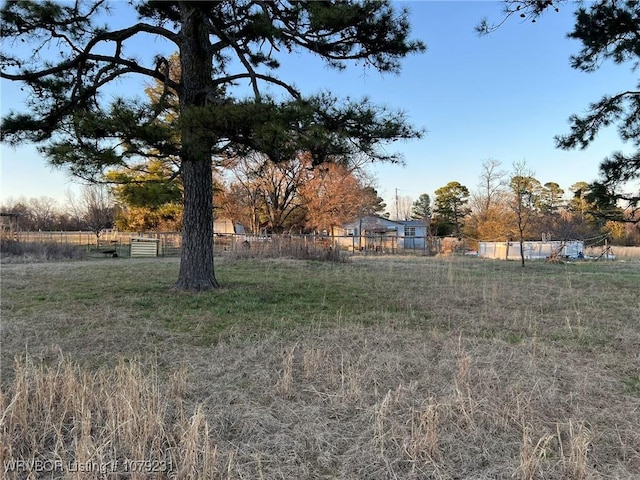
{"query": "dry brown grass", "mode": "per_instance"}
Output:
(479, 370)
(12, 251)
(62, 421)
(300, 248)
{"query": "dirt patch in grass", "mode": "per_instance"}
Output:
(382, 368)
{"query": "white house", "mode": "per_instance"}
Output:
(373, 232)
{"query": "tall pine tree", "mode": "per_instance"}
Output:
(73, 57)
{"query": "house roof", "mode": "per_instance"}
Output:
(413, 223)
(373, 222)
(376, 222)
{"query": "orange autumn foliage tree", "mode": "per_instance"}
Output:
(333, 196)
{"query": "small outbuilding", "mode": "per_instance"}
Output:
(144, 247)
(225, 226)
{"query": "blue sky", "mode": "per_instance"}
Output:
(502, 96)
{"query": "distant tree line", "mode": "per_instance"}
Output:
(514, 205)
(263, 196)
(295, 197)
(92, 210)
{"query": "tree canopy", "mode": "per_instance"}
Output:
(608, 31)
(451, 206)
(72, 58)
(421, 208)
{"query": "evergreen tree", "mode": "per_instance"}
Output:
(451, 207)
(74, 57)
(371, 202)
(609, 31)
(421, 209)
(551, 198)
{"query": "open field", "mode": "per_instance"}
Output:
(384, 367)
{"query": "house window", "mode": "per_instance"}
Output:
(409, 231)
(352, 232)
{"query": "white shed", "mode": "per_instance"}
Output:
(144, 247)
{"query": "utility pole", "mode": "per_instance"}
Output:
(397, 206)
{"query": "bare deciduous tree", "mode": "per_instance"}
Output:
(491, 187)
(524, 198)
(43, 212)
(94, 209)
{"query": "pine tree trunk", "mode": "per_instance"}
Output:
(196, 262)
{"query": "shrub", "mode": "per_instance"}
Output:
(12, 251)
(289, 247)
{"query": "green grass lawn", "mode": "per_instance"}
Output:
(383, 367)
